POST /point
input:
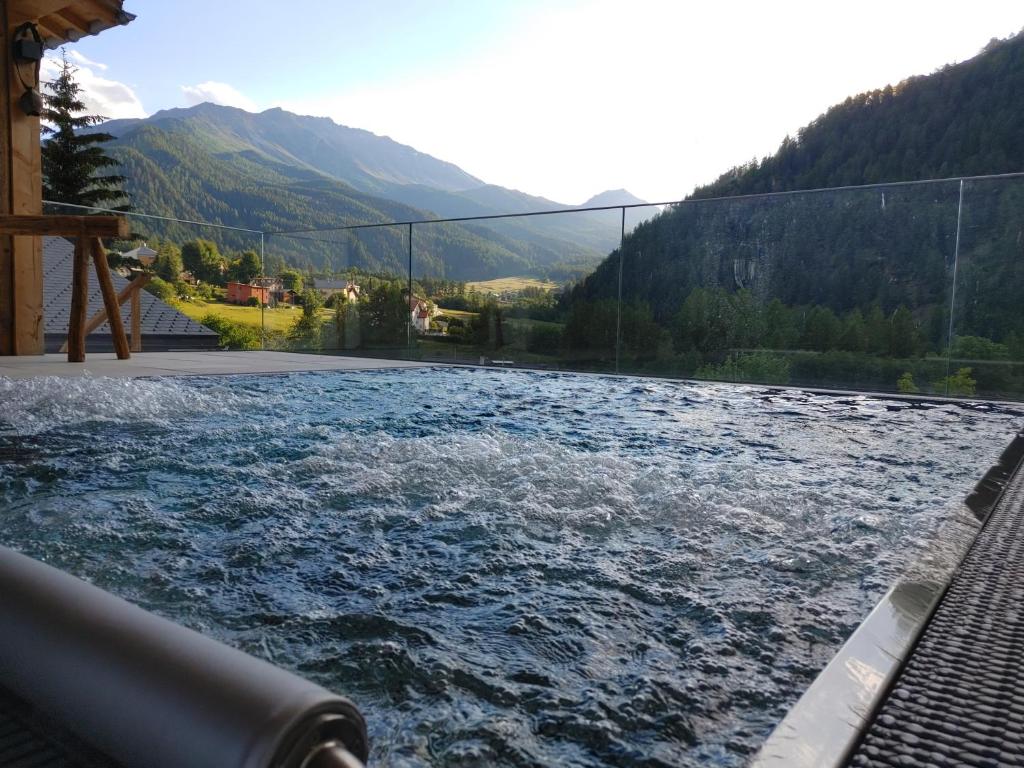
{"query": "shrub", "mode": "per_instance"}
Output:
(759, 367)
(978, 348)
(960, 384)
(252, 301)
(161, 289)
(205, 291)
(232, 335)
(905, 384)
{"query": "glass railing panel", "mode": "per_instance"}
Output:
(839, 289)
(445, 317)
(497, 289)
(353, 284)
(843, 289)
(986, 351)
(182, 285)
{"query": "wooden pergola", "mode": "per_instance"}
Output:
(22, 224)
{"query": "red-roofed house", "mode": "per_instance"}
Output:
(420, 312)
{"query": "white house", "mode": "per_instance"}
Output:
(420, 314)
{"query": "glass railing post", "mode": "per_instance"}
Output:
(618, 304)
(408, 321)
(952, 292)
(263, 304)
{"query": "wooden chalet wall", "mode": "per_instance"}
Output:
(21, 186)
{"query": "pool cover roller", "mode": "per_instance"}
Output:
(148, 692)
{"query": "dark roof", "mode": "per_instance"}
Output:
(330, 285)
(158, 318)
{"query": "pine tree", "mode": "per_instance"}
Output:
(71, 158)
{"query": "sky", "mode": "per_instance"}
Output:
(557, 98)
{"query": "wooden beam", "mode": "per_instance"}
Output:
(79, 303)
(21, 300)
(136, 314)
(56, 18)
(64, 226)
(99, 15)
(99, 260)
(33, 10)
(63, 22)
(130, 291)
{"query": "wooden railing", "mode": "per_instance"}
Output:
(87, 232)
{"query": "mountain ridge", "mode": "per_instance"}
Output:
(362, 175)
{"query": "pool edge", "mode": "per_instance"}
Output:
(826, 723)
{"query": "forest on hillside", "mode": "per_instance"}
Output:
(946, 258)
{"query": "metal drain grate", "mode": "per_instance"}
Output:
(959, 699)
(30, 740)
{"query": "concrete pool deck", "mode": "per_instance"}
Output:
(189, 363)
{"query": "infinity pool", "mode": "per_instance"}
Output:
(502, 568)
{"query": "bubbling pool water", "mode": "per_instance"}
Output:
(500, 568)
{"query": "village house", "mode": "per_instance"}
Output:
(347, 288)
(272, 284)
(420, 313)
(241, 293)
(278, 294)
(143, 254)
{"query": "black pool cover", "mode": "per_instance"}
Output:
(145, 691)
(959, 699)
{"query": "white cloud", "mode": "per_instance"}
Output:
(218, 93)
(83, 60)
(102, 96)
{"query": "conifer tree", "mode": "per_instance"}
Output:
(73, 160)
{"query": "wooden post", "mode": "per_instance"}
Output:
(6, 250)
(136, 321)
(130, 291)
(21, 257)
(99, 260)
(79, 301)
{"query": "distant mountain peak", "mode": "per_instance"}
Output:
(370, 163)
(613, 197)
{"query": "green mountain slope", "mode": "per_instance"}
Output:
(276, 170)
(367, 162)
(170, 175)
(847, 250)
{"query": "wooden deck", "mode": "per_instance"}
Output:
(196, 363)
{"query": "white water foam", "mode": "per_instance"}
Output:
(37, 405)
